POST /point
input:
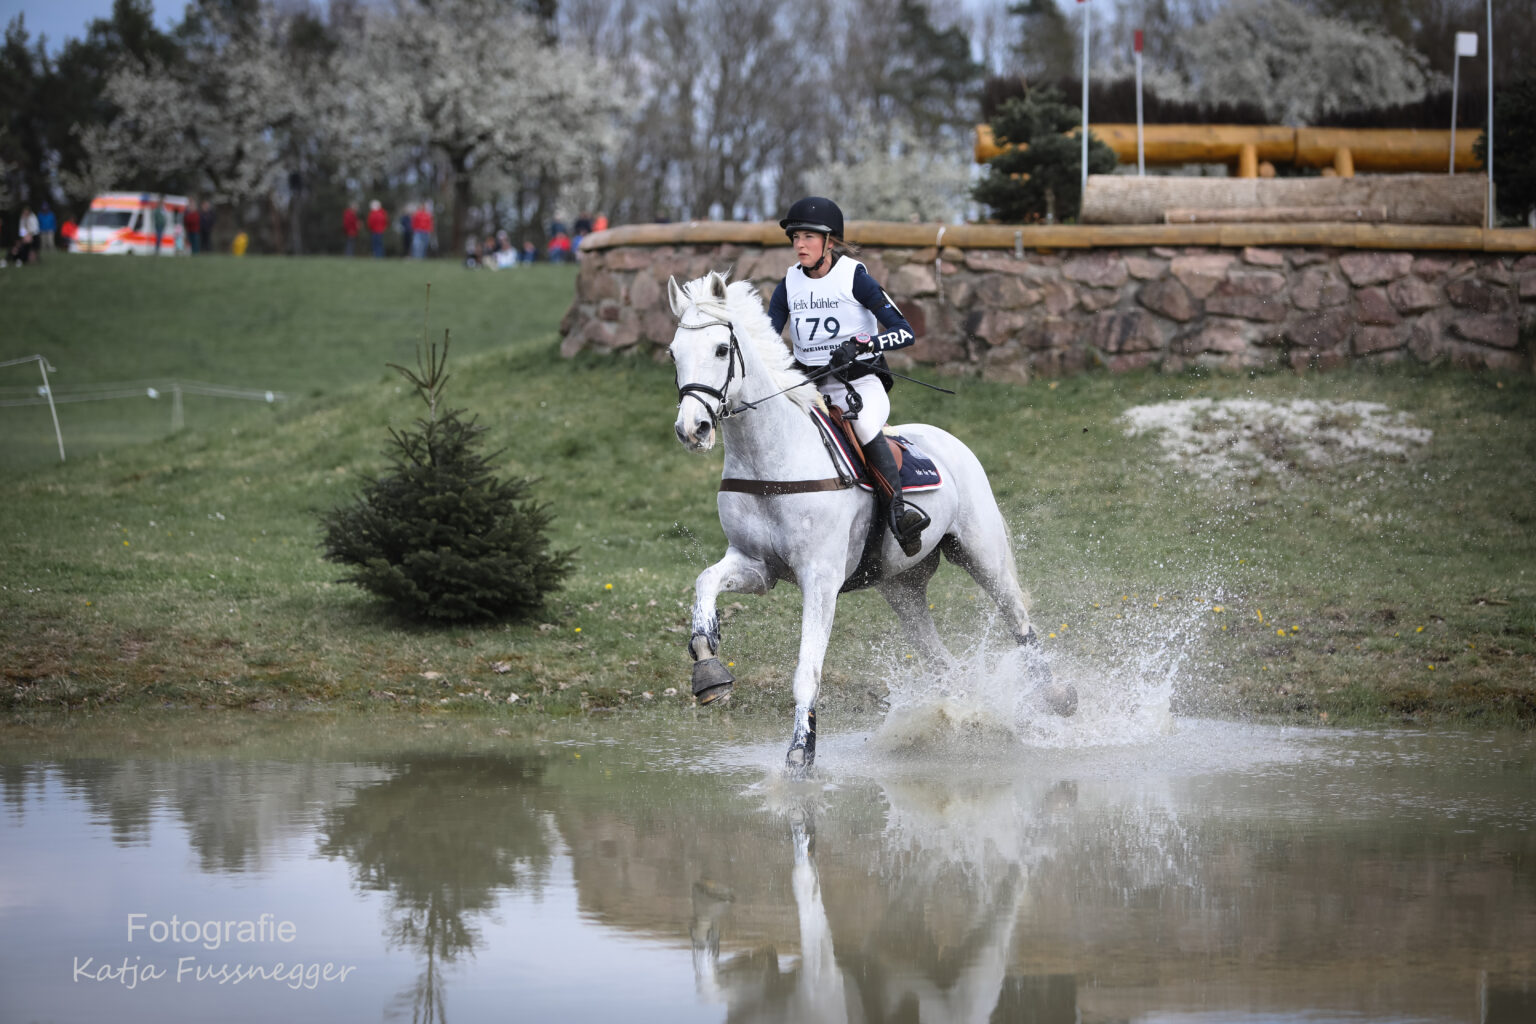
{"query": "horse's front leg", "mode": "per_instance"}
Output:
(735, 573)
(815, 631)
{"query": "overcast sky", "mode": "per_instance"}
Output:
(66, 19)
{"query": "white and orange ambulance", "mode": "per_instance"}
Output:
(124, 223)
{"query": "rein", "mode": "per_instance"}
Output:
(724, 411)
(719, 394)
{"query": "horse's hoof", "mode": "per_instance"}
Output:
(1061, 698)
(802, 750)
(712, 681)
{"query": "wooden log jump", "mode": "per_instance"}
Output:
(1380, 150)
(1398, 199)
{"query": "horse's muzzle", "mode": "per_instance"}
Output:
(697, 435)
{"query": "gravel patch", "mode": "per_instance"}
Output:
(1248, 438)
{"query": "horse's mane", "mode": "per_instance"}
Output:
(743, 309)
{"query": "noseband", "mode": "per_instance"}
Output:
(720, 412)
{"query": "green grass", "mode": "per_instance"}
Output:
(183, 570)
(308, 329)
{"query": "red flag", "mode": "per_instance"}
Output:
(1138, 41)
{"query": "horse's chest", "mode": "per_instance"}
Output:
(794, 534)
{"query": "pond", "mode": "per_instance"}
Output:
(661, 868)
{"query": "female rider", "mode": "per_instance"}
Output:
(841, 324)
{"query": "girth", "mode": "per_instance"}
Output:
(771, 487)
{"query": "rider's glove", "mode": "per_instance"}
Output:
(844, 354)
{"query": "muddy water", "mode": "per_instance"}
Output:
(663, 870)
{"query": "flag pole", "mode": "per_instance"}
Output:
(1493, 216)
(1466, 46)
(1141, 149)
(1087, 22)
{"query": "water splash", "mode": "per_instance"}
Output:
(989, 704)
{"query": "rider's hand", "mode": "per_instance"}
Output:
(844, 354)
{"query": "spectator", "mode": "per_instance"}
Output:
(25, 248)
(405, 229)
(530, 253)
(600, 222)
(421, 230)
(205, 226)
(349, 227)
(47, 224)
(240, 244)
(378, 223)
(69, 231)
(583, 224)
(560, 248)
(506, 256)
(191, 222)
(159, 220)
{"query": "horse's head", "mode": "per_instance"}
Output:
(708, 359)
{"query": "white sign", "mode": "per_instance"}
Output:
(1466, 44)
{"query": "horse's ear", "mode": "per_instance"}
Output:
(674, 296)
(717, 285)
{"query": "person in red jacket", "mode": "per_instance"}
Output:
(349, 227)
(192, 223)
(378, 223)
(421, 230)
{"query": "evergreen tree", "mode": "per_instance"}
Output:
(1514, 150)
(439, 537)
(1038, 176)
(1046, 47)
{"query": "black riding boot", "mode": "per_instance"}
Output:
(907, 521)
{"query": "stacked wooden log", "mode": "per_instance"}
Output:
(1442, 199)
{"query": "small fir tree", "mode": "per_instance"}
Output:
(1041, 179)
(439, 537)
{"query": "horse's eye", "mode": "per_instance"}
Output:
(722, 350)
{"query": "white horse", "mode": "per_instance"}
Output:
(779, 525)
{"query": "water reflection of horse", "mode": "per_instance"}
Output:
(890, 973)
(780, 526)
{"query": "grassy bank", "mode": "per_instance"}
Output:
(154, 569)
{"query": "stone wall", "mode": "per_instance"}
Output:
(1013, 314)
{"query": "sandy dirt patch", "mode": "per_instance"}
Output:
(1237, 438)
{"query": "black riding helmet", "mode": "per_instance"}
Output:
(813, 213)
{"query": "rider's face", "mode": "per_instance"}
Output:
(809, 246)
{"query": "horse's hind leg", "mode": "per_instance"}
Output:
(908, 597)
(989, 560)
(736, 573)
(991, 566)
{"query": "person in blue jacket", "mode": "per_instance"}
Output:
(841, 324)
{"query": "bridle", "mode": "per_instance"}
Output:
(722, 411)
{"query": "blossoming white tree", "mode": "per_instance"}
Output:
(886, 173)
(475, 83)
(1297, 64)
(234, 113)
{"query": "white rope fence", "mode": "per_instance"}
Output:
(46, 394)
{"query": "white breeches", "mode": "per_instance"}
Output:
(877, 404)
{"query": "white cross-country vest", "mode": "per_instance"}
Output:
(823, 313)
